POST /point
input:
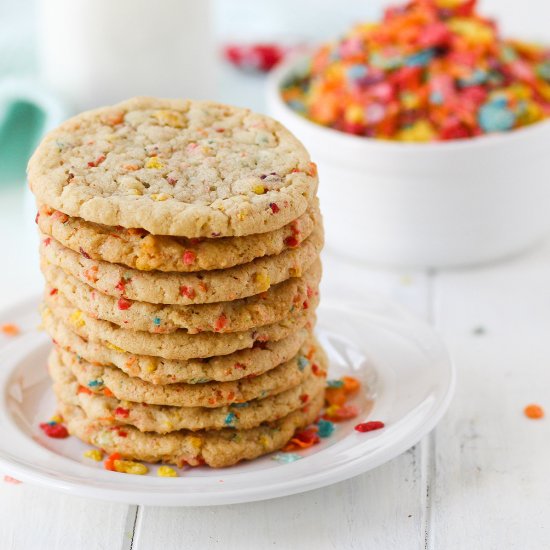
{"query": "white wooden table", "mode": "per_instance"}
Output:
(479, 480)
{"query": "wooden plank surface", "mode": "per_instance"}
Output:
(492, 483)
(32, 518)
(380, 509)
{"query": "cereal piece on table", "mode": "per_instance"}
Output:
(10, 329)
(533, 411)
(12, 480)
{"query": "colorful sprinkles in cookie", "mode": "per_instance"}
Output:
(172, 167)
(180, 244)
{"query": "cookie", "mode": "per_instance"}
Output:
(165, 419)
(99, 379)
(269, 307)
(263, 356)
(186, 288)
(175, 345)
(138, 249)
(217, 448)
(173, 167)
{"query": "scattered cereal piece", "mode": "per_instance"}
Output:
(109, 463)
(54, 430)
(254, 57)
(369, 426)
(325, 428)
(336, 413)
(286, 458)
(351, 385)
(94, 454)
(130, 467)
(534, 411)
(12, 480)
(10, 329)
(336, 396)
(166, 471)
(303, 440)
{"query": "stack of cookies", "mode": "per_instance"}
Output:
(180, 245)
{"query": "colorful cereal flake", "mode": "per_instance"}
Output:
(303, 439)
(166, 471)
(325, 428)
(340, 413)
(369, 426)
(430, 70)
(286, 458)
(54, 429)
(533, 411)
(10, 329)
(337, 393)
(116, 463)
(12, 480)
(94, 454)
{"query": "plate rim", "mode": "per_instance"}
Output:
(149, 496)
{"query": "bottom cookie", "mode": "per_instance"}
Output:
(215, 448)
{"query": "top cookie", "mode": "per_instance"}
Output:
(175, 167)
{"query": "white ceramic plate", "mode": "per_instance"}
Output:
(408, 380)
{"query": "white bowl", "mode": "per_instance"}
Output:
(440, 204)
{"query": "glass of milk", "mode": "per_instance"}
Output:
(99, 52)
